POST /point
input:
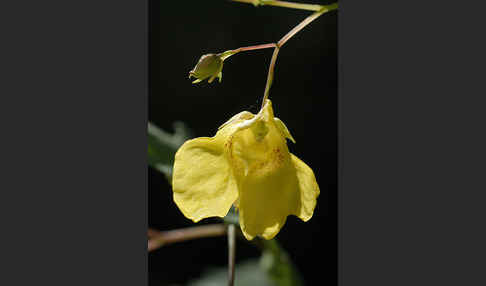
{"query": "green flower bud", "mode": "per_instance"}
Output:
(208, 66)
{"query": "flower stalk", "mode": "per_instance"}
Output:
(271, 69)
(227, 54)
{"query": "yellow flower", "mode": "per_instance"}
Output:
(248, 164)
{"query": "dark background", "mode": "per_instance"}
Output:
(411, 145)
(304, 96)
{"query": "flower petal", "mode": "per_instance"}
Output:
(202, 181)
(308, 189)
(267, 180)
(265, 205)
(283, 129)
(244, 115)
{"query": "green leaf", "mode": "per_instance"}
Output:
(274, 268)
(276, 261)
(162, 146)
(247, 273)
(232, 217)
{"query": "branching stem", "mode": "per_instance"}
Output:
(301, 25)
(286, 4)
(287, 37)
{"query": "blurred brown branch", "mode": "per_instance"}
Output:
(159, 238)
